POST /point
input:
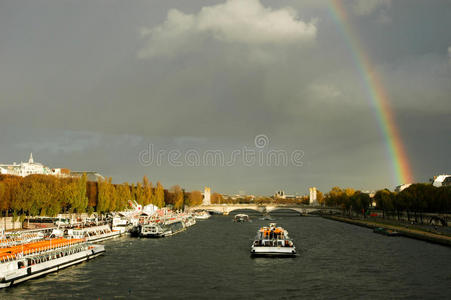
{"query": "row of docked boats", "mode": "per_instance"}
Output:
(166, 223)
(26, 254)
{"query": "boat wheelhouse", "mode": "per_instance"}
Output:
(272, 241)
(121, 225)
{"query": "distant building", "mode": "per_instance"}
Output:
(280, 195)
(442, 180)
(25, 168)
(31, 167)
(207, 196)
(402, 187)
(312, 197)
(3, 170)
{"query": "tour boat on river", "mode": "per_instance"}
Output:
(9, 239)
(121, 224)
(272, 241)
(189, 220)
(202, 215)
(168, 228)
(96, 233)
(241, 218)
(22, 262)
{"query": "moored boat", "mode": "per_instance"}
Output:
(386, 231)
(273, 241)
(94, 233)
(121, 225)
(22, 262)
(202, 215)
(189, 220)
(9, 239)
(156, 230)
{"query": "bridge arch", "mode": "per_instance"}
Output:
(265, 208)
(255, 209)
(301, 211)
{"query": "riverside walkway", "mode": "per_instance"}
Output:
(405, 231)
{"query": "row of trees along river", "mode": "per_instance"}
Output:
(413, 201)
(48, 195)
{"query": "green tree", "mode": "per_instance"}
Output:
(81, 200)
(360, 202)
(384, 201)
(178, 195)
(103, 203)
(147, 191)
(159, 195)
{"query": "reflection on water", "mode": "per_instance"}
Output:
(211, 260)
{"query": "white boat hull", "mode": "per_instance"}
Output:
(273, 251)
(104, 237)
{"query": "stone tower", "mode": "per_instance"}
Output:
(312, 199)
(207, 200)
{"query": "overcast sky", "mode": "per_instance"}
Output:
(93, 85)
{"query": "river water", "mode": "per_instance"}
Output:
(211, 260)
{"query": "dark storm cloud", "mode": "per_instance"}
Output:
(91, 84)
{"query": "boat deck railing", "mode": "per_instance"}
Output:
(18, 251)
(273, 242)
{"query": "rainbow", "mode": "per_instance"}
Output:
(377, 96)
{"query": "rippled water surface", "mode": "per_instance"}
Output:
(211, 260)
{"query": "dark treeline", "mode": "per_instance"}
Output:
(414, 201)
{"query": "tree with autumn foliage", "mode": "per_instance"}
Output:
(178, 197)
(320, 198)
(216, 198)
(195, 198)
(159, 195)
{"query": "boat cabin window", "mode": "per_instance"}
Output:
(21, 264)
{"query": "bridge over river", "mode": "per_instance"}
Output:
(265, 208)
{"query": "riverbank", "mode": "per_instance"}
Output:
(404, 231)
